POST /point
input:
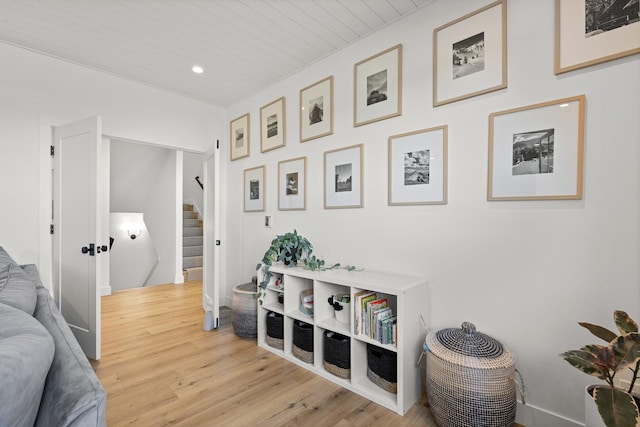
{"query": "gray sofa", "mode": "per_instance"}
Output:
(45, 378)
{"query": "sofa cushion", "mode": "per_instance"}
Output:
(5, 258)
(73, 394)
(17, 289)
(26, 352)
(32, 272)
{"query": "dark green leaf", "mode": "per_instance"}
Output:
(624, 323)
(606, 358)
(617, 408)
(586, 362)
(599, 331)
(626, 349)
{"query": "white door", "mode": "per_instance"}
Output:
(77, 221)
(211, 239)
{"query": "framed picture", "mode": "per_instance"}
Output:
(254, 189)
(316, 110)
(343, 177)
(378, 87)
(590, 32)
(292, 184)
(418, 167)
(470, 55)
(535, 152)
(239, 137)
(272, 125)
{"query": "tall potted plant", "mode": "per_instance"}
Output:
(618, 407)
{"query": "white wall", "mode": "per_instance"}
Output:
(143, 179)
(192, 193)
(523, 272)
(37, 91)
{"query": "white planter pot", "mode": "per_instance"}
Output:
(592, 417)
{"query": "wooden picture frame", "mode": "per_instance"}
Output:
(292, 184)
(536, 152)
(316, 110)
(470, 55)
(418, 167)
(585, 37)
(273, 125)
(343, 177)
(254, 189)
(378, 87)
(239, 137)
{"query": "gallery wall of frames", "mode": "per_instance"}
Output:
(469, 60)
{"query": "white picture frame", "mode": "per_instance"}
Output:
(292, 184)
(536, 152)
(254, 189)
(240, 137)
(273, 125)
(418, 167)
(343, 177)
(316, 110)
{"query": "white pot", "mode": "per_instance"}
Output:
(592, 417)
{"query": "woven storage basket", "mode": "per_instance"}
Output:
(245, 310)
(382, 368)
(337, 354)
(275, 330)
(302, 341)
(470, 379)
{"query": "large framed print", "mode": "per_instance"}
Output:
(590, 32)
(418, 167)
(378, 87)
(239, 137)
(316, 110)
(292, 184)
(254, 189)
(536, 152)
(272, 125)
(470, 55)
(343, 177)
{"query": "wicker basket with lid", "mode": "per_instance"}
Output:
(470, 379)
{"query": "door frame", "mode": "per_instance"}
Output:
(211, 241)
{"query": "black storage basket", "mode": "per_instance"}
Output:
(382, 368)
(302, 341)
(337, 354)
(275, 330)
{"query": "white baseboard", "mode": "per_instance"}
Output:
(106, 290)
(532, 416)
(178, 279)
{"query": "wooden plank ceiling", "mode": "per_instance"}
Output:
(243, 45)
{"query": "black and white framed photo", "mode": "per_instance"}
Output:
(292, 184)
(343, 177)
(254, 189)
(240, 143)
(590, 32)
(418, 167)
(470, 55)
(272, 125)
(316, 110)
(536, 152)
(378, 87)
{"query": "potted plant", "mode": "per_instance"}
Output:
(290, 248)
(617, 406)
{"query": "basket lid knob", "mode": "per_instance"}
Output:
(469, 328)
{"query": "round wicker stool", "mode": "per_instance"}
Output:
(470, 379)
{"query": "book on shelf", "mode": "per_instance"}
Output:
(371, 307)
(360, 300)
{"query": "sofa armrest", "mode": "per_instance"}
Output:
(73, 395)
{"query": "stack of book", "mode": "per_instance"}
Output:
(374, 318)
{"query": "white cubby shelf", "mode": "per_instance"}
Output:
(407, 295)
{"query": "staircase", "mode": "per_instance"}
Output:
(191, 244)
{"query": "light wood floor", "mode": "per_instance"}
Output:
(160, 368)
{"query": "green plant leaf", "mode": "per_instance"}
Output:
(586, 362)
(606, 358)
(625, 324)
(617, 408)
(626, 349)
(599, 331)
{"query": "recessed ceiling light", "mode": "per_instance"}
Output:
(197, 69)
